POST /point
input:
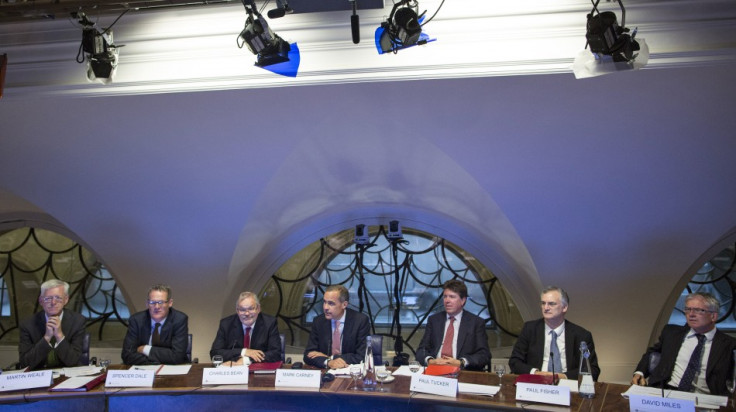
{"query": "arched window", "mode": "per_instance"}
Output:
(716, 277)
(388, 280)
(31, 256)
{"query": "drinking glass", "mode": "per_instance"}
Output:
(500, 370)
(104, 363)
(381, 376)
(356, 372)
(414, 366)
(217, 360)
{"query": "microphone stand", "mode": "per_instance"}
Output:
(552, 361)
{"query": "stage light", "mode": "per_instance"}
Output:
(403, 28)
(282, 9)
(606, 37)
(261, 40)
(98, 50)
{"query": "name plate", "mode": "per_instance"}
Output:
(129, 378)
(300, 378)
(436, 385)
(225, 376)
(26, 380)
(656, 404)
(534, 392)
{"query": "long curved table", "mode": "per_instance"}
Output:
(185, 393)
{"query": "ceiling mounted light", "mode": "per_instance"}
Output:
(282, 9)
(403, 28)
(261, 40)
(98, 50)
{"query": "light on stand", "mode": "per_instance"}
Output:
(99, 51)
(402, 29)
(261, 40)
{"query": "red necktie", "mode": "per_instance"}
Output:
(336, 339)
(449, 336)
(246, 338)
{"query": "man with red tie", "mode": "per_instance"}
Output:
(338, 336)
(455, 336)
(247, 334)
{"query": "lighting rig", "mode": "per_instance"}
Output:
(97, 49)
(403, 28)
(260, 39)
(606, 37)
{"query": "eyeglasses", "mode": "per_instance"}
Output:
(697, 311)
(246, 310)
(550, 304)
(49, 299)
(157, 302)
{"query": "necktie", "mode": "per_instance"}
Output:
(52, 360)
(693, 367)
(336, 339)
(246, 338)
(449, 336)
(556, 361)
(156, 338)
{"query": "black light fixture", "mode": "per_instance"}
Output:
(98, 50)
(261, 40)
(282, 9)
(361, 235)
(394, 230)
(606, 37)
(402, 28)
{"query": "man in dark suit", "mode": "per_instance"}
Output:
(455, 336)
(159, 335)
(338, 336)
(692, 358)
(52, 338)
(531, 353)
(262, 344)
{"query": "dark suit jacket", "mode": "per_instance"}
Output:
(264, 337)
(472, 340)
(720, 362)
(33, 348)
(174, 339)
(528, 352)
(355, 331)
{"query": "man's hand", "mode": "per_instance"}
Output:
(337, 363)
(445, 360)
(314, 354)
(546, 373)
(140, 348)
(53, 329)
(638, 380)
(255, 355)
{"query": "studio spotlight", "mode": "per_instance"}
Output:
(261, 40)
(606, 37)
(361, 235)
(98, 50)
(402, 29)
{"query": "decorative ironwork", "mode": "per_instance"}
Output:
(397, 283)
(716, 277)
(30, 256)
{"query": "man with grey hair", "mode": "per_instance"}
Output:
(552, 342)
(52, 338)
(159, 335)
(696, 357)
(247, 333)
(338, 336)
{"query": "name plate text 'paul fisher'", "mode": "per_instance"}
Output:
(533, 392)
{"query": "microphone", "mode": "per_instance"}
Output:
(276, 13)
(552, 362)
(355, 28)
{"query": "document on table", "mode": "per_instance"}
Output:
(162, 370)
(701, 400)
(475, 389)
(403, 370)
(81, 371)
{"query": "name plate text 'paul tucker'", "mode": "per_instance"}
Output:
(129, 378)
(436, 385)
(26, 380)
(533, 392)
(300, 378)
(225, 376)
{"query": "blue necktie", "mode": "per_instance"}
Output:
(693, 367)
(556, 361)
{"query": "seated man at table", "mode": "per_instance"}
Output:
(159, 335)
(696, 357)
(552, 334)
(338, 336)
(441, 345)
(52, 338)
(247, 333)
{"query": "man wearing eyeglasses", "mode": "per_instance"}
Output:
(52, 338)
(552, 342)
(247, 334)
(159, 335)
(696, 357)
